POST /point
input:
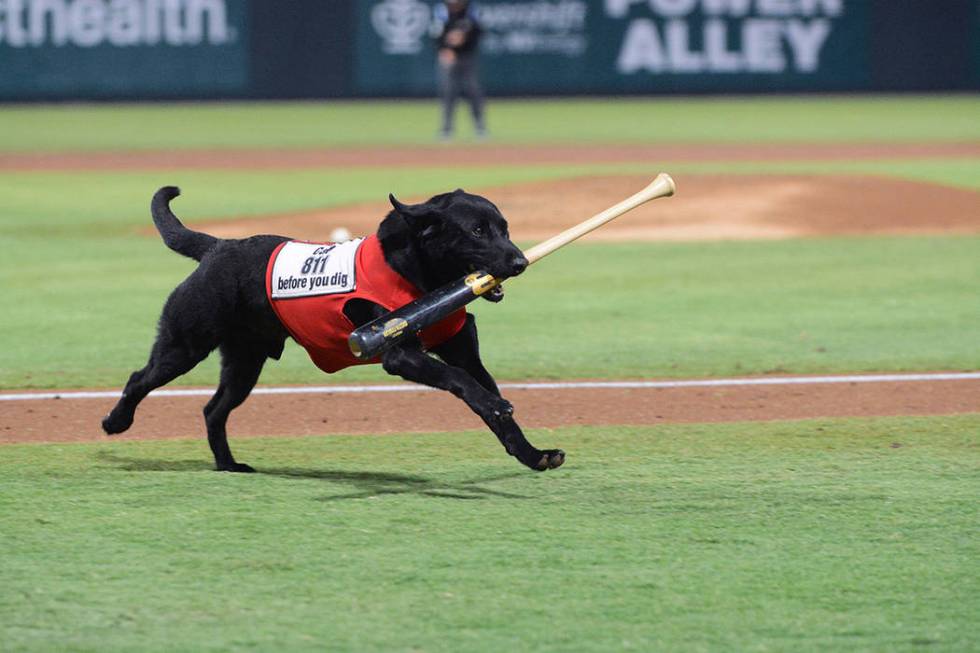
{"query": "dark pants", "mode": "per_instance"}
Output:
(460, 78)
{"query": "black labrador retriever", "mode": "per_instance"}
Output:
(225, 304)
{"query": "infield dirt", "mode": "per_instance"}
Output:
(77, 420)
(706, 207)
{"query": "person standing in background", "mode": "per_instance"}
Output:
(457, 70)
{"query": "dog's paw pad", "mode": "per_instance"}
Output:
(551, 459)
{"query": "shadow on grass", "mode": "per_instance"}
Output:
(148, 465)
(365, 484)
(374, 484)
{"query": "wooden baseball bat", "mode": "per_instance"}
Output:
(371, 339)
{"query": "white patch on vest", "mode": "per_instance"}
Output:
(310, 269)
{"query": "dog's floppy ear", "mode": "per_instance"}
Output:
(417, 216)
(404, 209)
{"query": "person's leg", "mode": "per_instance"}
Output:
(448, 92)
(470, 82)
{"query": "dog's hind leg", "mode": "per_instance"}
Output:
(168, 360)
(241, 365)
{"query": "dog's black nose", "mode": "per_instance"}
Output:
(517, 265)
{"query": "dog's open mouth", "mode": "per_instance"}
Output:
(493, 295)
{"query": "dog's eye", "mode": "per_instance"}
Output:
(478, 231)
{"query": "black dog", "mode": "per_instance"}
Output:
(224, 304)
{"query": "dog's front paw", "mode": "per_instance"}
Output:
(542, 461)
(550, 459)
(236, 467)
(114, 423)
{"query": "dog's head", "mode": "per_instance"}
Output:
(447, 237)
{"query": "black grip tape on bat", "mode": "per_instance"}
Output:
(371, 339)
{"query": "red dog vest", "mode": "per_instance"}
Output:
(309, 283)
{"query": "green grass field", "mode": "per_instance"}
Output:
(663, 323)
(710, 120)
(818, 535)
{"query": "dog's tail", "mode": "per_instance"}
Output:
(177, 237)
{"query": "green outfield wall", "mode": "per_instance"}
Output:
(136, 49)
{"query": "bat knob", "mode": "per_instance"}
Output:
(356, 343)
(368, 341)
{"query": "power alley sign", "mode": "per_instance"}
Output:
(723, 36)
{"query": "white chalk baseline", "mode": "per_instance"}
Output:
(558, 385)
